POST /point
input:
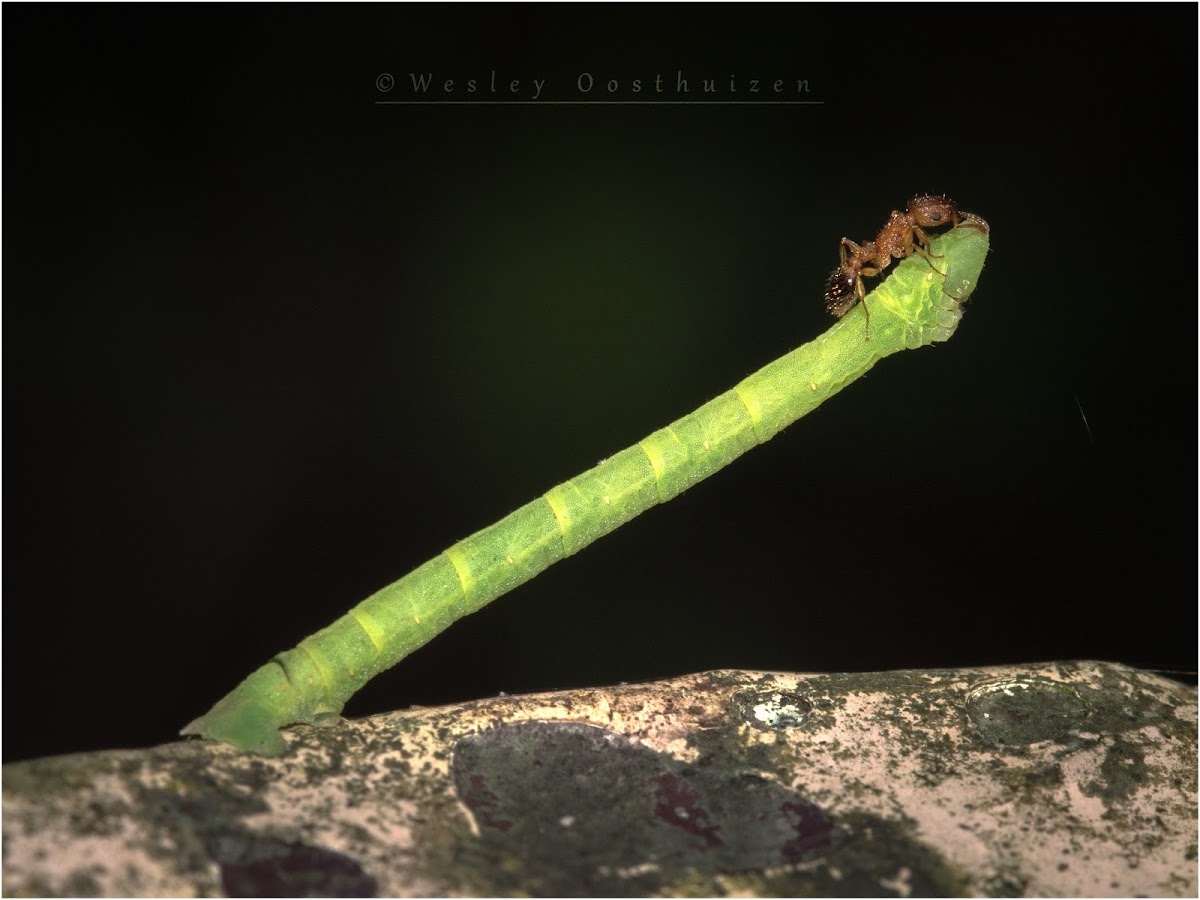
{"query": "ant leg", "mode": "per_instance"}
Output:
(925, 251)
(862, 300)
(923, 246)
(855, 250)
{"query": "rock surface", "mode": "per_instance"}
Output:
(1067, 779)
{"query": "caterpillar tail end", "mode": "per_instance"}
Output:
(251, 715)
(249, 727)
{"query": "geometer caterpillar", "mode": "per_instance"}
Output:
(310, 683)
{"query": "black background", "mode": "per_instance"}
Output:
(270, 345)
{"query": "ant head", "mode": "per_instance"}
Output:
(932, 210)
(841, 291)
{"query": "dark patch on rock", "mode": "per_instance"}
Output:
(678, 804)
(589, 812)
(282, 870)
(1122, 772)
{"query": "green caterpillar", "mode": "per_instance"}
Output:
(916, 305)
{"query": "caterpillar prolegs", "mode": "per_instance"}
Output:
(917, 305)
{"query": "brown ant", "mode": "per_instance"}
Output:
(903, 233)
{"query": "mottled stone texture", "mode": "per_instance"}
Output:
(1067, 779)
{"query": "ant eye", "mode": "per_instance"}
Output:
(937, 217)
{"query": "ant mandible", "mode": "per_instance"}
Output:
(903, 233)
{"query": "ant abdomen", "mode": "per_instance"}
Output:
(841, 291)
